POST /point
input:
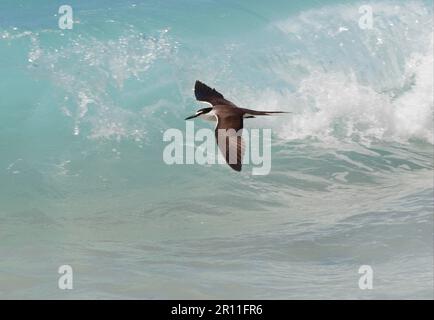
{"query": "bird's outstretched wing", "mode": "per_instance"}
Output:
(228, 136)
(206, 94)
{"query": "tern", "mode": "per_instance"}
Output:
(228, 116)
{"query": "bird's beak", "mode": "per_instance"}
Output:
(191, 117)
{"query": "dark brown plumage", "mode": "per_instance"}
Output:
(229, 119)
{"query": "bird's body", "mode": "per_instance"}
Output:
(228, 116)
(218, 109)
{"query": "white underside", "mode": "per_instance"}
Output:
(210, 116)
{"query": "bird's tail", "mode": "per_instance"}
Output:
(262, 113)
(271, 112)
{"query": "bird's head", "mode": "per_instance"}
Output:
(199, 112)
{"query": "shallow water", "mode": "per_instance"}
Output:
(83, 182)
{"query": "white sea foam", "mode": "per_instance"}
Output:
(379, 86)
(88, 67)
(342, 82)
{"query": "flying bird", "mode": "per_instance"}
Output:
(228, 116)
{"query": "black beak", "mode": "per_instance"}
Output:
(191, 117)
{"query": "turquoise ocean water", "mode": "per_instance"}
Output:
(83, 182)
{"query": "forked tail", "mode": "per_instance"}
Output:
(262, 113)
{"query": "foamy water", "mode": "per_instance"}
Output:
(83, 182)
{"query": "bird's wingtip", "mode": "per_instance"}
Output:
(205, 93)
(198, 83)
